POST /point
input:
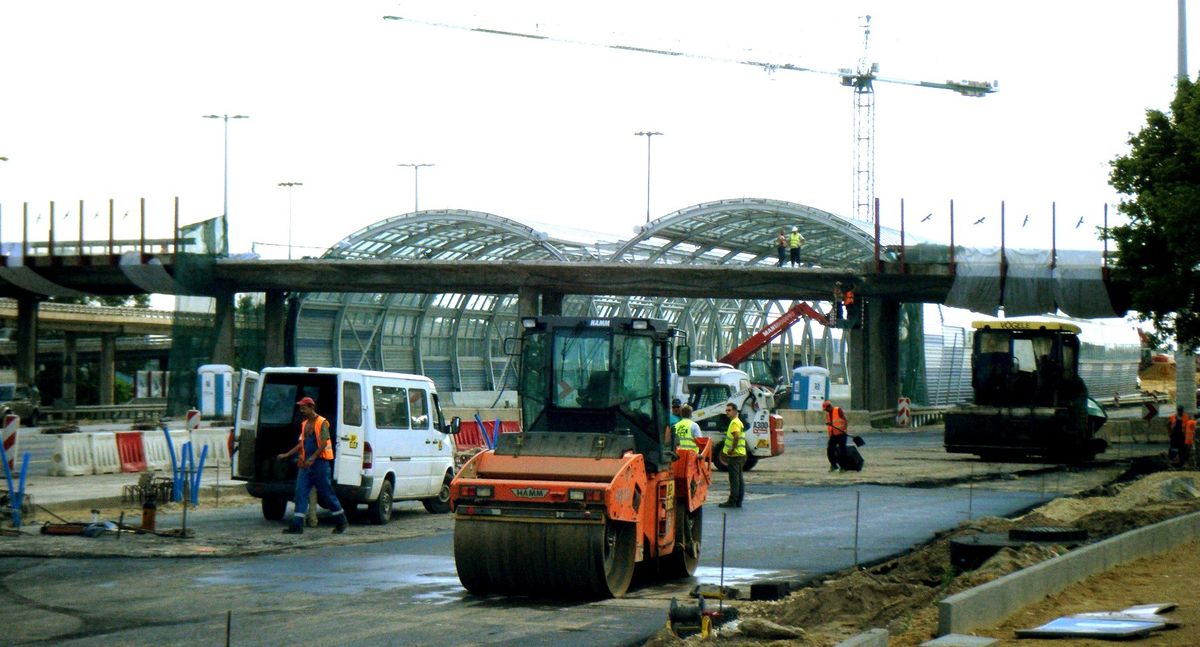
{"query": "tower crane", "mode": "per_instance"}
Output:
(861, 79)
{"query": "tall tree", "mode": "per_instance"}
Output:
(1159, 250)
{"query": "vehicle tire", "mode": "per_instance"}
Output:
(718, 462)
(379, 511)
(273, 507)
(751, 461)
(682, 561)
(440, 504)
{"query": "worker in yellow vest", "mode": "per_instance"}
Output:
(315, 468)
(686, 430)
(795, 240)
(733, 452)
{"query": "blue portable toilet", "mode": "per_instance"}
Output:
(810, 387)
(214, 386)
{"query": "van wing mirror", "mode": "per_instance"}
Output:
(455, 426)
(683, 360)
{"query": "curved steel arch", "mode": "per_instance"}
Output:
(424, 333)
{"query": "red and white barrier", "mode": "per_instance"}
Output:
(903, 412)
(11, 423)
(192, 422)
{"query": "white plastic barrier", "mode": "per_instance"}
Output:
(154, 444)
(72, 455)
(105, 459)
(217, 441)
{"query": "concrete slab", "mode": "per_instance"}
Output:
(959, 640)
(990, 603)
(869, 638)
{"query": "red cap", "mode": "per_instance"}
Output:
(306, 400)
(826, 405)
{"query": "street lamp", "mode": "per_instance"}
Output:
(226, 118)
(290, 186)
(416, 172)
(648, 135)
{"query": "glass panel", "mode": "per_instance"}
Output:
(391, 407)
(418, 408)
(1022, 352)
(249, 392)
(581, 364)
(278, 402)
(993, 342)
(352, 404)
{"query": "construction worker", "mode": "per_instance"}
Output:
(1181, 431)
(315, 447)
(733, 452)
(848, 305)
(781, 245)
(686, 430)
(795, 240)
(836, 424)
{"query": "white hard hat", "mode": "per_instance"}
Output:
(795, 228)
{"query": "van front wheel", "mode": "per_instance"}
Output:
(440, 504)
(379, 511)
(273, 507)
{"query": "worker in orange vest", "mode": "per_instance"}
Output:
(836, 424)
(1181, 431)
(315, 468)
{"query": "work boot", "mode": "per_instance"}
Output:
(727, 504)
(833, 468)
(296, 527)
(342, 525)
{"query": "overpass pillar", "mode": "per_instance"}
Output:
(27, 333)
(527, 303)
(552, 303)
(875, 357)
(275, 333)
(222, 335)
(108, 366)
(70, 370)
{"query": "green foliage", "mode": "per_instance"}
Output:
(132, 301)
(1159, 250)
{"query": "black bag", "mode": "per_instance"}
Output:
(850, 460)
(858, 441)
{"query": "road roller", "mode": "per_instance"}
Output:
(593, 487)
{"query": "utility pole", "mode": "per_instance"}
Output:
(416, 183)
(648, 135)
(290, 186)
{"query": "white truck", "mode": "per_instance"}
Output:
(710, 387)
(391, 441)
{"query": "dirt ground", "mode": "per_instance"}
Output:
(901, 595)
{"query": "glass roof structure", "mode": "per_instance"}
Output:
(457, 339)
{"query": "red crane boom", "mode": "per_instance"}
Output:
(773, 330)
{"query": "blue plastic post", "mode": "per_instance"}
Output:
(19, 497)
(196, 478)
(496, 432)
(482, 430)
(174, 463)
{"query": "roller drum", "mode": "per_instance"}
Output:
(540, 559)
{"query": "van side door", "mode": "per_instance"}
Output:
(430, 443)
(393, 440)
(348, 461)
(245, 426)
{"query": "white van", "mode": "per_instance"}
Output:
(391, 441)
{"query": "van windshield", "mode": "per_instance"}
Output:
(6, 391)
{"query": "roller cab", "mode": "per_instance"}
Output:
(594, 486)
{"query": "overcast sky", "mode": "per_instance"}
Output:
(104, 100)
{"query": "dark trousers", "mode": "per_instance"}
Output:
(737, 485)
(317, 476)
(834, 449)
(782, 255)
(795, 256)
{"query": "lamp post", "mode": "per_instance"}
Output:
(648, 135)
(2, 159)
(290, 186)
(226, 118)
(416, 186)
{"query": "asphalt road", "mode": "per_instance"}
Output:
(405, 592)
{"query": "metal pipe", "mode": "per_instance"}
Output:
(902, 264)
(877, 235)
(50, 247)
(110, 227)
(1053, 235)
(81, 227)
(175, 245)
(952, 235)
(143, 238)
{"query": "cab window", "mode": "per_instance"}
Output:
(418, 409)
